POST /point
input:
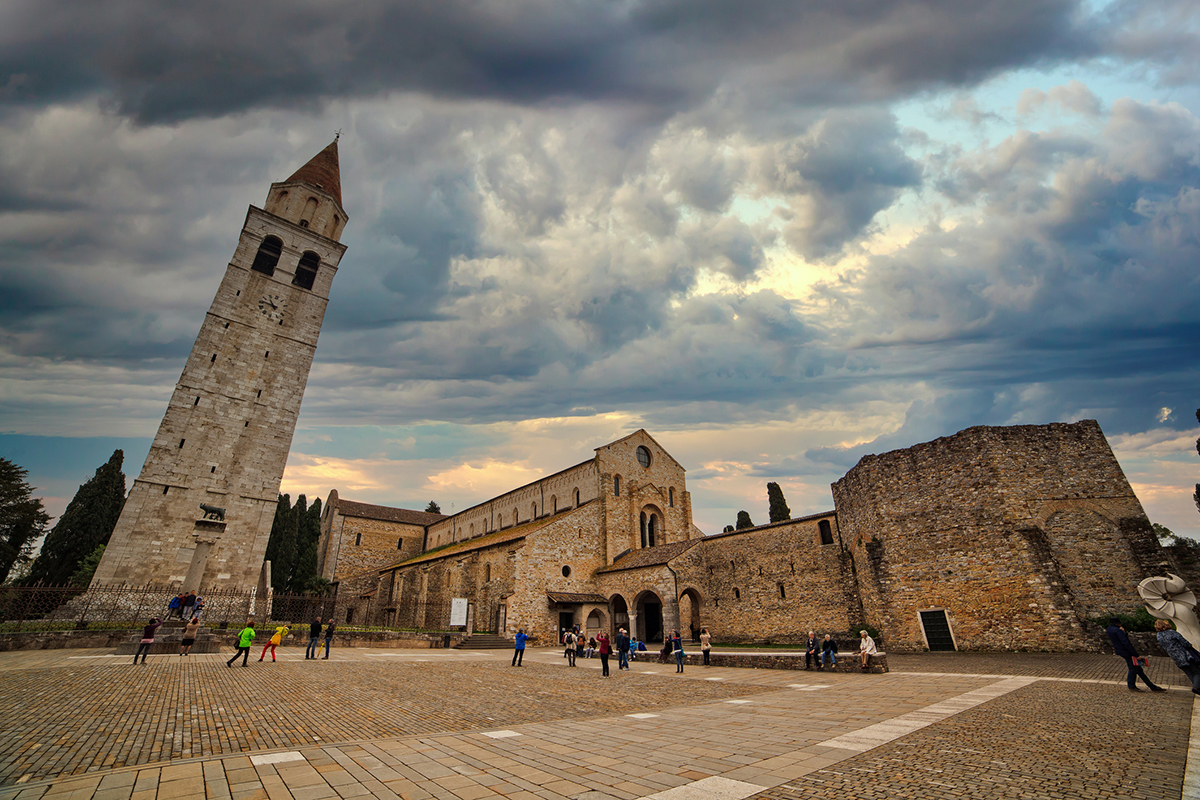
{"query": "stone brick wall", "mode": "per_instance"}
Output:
(658, 489)
(1017, 533)
(772, 583)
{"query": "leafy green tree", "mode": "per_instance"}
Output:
(743, 520)
(87, 567)
(434, 508)
(87, 523)
(779, 510)
(22, 518)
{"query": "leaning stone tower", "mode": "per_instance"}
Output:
(224, 441)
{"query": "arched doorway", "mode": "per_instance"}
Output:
(619, 612)
(596, 622)
(649, 617)
(690, 606)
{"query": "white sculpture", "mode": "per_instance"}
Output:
(1169, 598)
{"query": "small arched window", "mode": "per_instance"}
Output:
(400, 543)
(616, 485)
(357, 539)
(737, 594)
(577, 497)
(306, 270)
(643, 529)
(499, 521)
(487, 572)
(533, 512)
(516, 517)
(268, 255)
(826, 531)
(472, 529)
(310, 208)
(652, 529)
(331, 231)
(782, 592)
(671, 496)
(553, 504)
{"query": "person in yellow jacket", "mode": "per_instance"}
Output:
(245, 639)
(280, 632)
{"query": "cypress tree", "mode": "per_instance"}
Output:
(304, 574)
(22, 518)
(779, 510)
(87, 523)
(743, 520)
(278, 542)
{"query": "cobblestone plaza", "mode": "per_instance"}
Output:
(449, 724)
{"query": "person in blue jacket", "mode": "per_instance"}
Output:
(1124, 648)
(519, 651)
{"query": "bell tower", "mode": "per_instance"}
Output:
(200, 513)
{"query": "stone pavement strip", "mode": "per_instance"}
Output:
(424, 724)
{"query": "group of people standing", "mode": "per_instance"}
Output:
(185, 606)
(576, 646)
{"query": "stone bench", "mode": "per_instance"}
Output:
(847, 662)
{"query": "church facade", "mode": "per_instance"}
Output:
(994, 538)
(200, 512)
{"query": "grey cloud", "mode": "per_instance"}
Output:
(161, 63)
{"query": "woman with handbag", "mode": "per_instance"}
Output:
(1180, 651)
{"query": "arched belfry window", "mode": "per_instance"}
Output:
(268, 255)
(826, 531)
(652, 530)
(310, 208)
(576, 498)
(306, 270)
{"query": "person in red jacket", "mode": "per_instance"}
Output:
(604, 647)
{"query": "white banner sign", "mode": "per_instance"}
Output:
(458, 611)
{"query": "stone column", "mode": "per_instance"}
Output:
(195, 572)
(634, 633)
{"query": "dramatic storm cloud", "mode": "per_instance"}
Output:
(779, 236)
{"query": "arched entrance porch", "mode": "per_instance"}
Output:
(690, 606)
(649, 613)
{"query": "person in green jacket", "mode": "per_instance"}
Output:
(245, 639)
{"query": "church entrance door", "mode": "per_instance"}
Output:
(650, 619)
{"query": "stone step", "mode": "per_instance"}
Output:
(484, 641)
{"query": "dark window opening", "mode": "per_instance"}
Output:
(616, 485)
(737, 594)
(226, 324)
(267, 256)
(213, 360)
(303, 223)
(782, 592)
(671, 497)
(652, 529)
(643, 456)
(181, 441)
(643, 520)
(400, 544)
(306, 270)
(357, 539)
(197, 402)
(576, 497)
(566, 571)
(349, 615)
(259, 393)
(268, 355)
(165, 489)
(247, 425)
(826, 531)
(212, 469)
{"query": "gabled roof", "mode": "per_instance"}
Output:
(323, 172)
(348, 508)
(643, 432)
(574, 597)
(650, 556)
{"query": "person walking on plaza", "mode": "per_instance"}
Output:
(1124, 648)
(328, 638)
(580, 641)
(147, 639)
(1180, 651)
(519, 647)
(274, 642)
(828, 652)
(866, 649)
(604, 647)
(314, 639)
(189, 637)
(677, 649)
(569, 648)
(813, 651)
(622, 649)
(705, 644)
(245, 639)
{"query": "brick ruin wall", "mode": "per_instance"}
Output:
(1018, 533)
(772, 584)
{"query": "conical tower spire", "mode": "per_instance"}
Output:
(322, 171)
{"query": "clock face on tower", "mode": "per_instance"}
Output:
(271, 307)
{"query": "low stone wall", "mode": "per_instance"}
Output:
(847, 662)
(226, 640)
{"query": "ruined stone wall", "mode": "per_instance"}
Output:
(1016, 532)
(773, 583)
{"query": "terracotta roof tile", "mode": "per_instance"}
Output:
(348, 508)
(650, 556)
(322, 171)
(573, 597)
